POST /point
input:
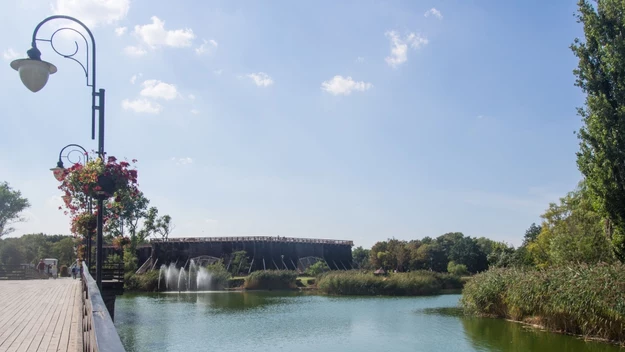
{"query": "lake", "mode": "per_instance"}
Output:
(294, 321)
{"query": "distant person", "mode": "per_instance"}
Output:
(41, 266)
(53, 270)
(49, 270)
(74, 271)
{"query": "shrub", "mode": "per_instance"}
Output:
(317, 268)
(147, 282)
(457, 269)
(219, 276)
(234, 283)
(582, 299)
(271, 279)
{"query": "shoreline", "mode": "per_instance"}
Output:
(539, 326)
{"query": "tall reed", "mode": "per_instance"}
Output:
(583, 299)
(271, 279)
(397, 284)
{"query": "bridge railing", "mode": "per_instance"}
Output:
(255, 238)
(98, 332)
(19, 272)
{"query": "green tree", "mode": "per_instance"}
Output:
(153, 224)
(431, 257)
(360, 257)
(457, 269)
(466, 251)
(374, 258)
(11, 205)
(572, 231)
(601, 76)
(126, 216)
(531, 234)
(317, 268)
(63, 250)
(240, 263)
(10, 252)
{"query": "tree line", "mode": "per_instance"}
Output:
(571, 231)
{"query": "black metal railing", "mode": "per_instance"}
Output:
(98, 331)
(113, 272)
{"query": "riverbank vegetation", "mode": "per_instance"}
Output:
(587, 300)
(397, 284)
(573, 279)
(271, 280)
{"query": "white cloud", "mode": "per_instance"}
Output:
(191, 97)
(360, 59)
(120, 31)
(133, 79)
(182, 161)
(261, 79)
(207, 47)
(195, 111)
(155, 35)
(93, 12)
(344, 85)
(134, 51)
(218, 72)
(153, 88)
(434, 12)
(142, 106)
(10, 54)
(399, 47)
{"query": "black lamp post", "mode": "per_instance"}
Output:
(58, 174)
(34, 74)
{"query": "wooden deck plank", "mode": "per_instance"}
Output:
(40, 315)
(39, 331)
(39, 324)
(20, 320)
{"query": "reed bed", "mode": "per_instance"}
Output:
(271, 279)
(398, 284)
(587, 300)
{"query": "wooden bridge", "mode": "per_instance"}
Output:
(61, 314)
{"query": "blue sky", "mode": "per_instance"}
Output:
(359, 120)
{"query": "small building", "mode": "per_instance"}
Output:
(380, 271)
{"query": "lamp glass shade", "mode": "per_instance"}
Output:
(33, 73)
(58, 173)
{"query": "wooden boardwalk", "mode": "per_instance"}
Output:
(40, 315)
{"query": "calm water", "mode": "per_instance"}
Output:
(269, 321)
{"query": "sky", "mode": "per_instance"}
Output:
(360, 120)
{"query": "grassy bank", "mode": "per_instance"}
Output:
(587, 300)
(398, 284)
(271, 280)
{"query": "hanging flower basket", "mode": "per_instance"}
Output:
(97, 179)
(120, 242)
(84, 224)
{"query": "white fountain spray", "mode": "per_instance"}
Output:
(182, 279)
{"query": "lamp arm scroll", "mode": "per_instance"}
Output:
(35, 54)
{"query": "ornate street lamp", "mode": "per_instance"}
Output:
(34, 73)
(78, 155)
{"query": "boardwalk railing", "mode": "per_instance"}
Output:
(256, 239)
(19, 272)
(98, 332)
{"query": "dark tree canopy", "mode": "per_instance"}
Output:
(601, 76)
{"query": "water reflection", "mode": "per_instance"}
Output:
(497, 335)
(275, 321)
